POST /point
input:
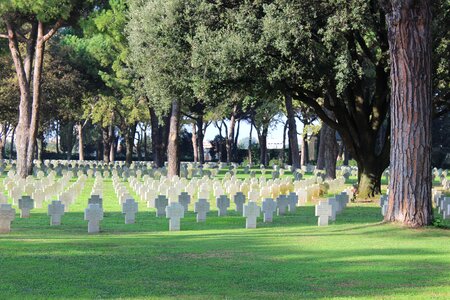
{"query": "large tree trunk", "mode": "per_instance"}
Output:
(292, 133)
(27, 126)
(194, 141)
(409, 25)
(80, 141)
(328, 150)
(173, 147)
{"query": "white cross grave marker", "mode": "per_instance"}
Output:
(202, 206)
(93, 214)
(25, 205)
(251, 212)
(55, 211)
(323, 211)
(7, 215)
(268, 207)
(174, 212)
(129, 209)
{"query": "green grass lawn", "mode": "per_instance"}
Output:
(292, 258)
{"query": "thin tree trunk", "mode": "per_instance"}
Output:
(112, 143)
(194, 142)
(409, 26)
(173, 147)
(145, 143)
(80, 141)
(262, 137)
(230, 136)
(250, 145)
(11, 146)
(304, 159)
(106, 144)
(322, 144)
(283, 149)
(292, 133)
(57, 137)
(236, 140)
(200, 138)
(69, 140)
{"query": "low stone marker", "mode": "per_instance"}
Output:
(333, 203)
(96, 199)
(7, 215)
(384, 209)
(323, 211)
(174, 212)
(239, 200)
(282, 204)
(25, 205)
(268, 208)
(93, 214)
(292, 200)
(222, 203)
(160, 204)
(201, 208)
(251, 212)
(129, 209)
(55, 211)
(184, 200)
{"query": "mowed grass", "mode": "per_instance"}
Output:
(292, 258)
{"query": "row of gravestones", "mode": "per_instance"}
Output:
(327, 210)
(442, 203)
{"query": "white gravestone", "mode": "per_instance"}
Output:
(201, 208)
(7, 215)
(222, 203)
(268, 208)
(239, 200)
(174, 212)
(96, 199)
(292, 200)
(93, 214)
(55, 211)
(129, 209)
(161, 203)
(282, 204)
(323, 211)
(184, 200)
(251, 212)
(25, 205)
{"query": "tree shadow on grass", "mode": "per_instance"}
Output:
(241, 266)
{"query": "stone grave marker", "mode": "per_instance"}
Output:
(184, 199)
(55, 211)
(7, 215)
(95, 199)
(25, 205)
(160, 204)
(282, 204)
(93, 214)
(323, 211)
(239, 200)
(251, 212)
(174, 212)
(292, 200)
(129, 209)
(222, 203)
(268, 208)
(201, 207)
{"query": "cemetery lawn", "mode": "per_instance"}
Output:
(357, 257)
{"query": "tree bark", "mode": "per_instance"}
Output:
(69, 140)
(283, 149)
(292, 133)
(112, 143)
(194, 142)
(321, 153)
(409, 28)
(11, 146)
(250, 145)
(106, 144)
(200, 138)
(262, 137)
(173, 147)
(80, 141)
(304, 159)
(328, 149)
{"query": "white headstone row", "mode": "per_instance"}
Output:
(327, 210)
